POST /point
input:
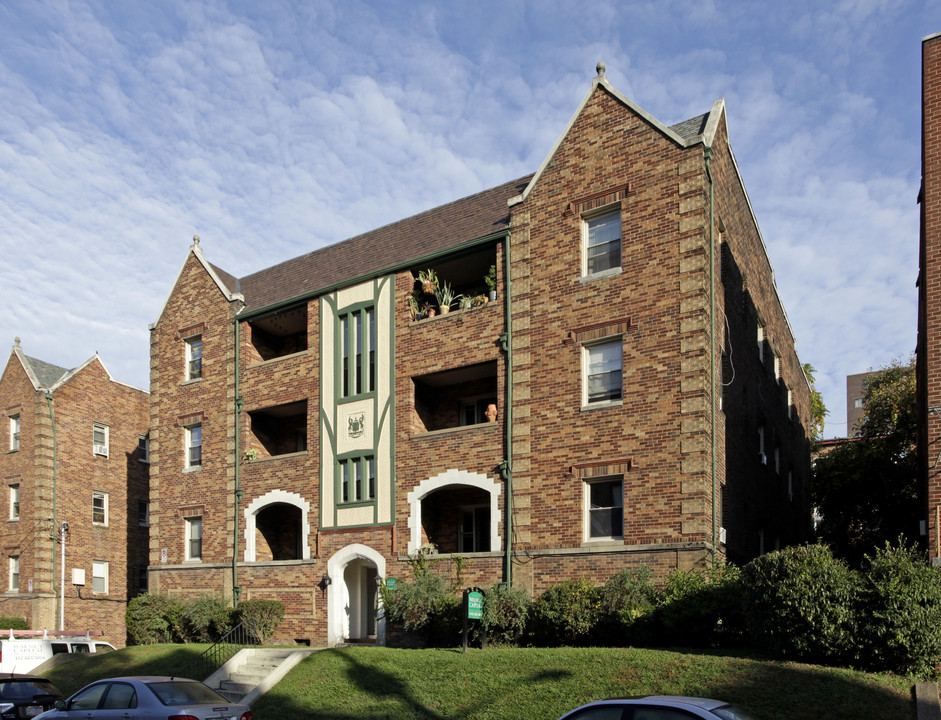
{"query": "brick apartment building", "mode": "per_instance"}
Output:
(75, 453)
(928, 347)
(310, 429)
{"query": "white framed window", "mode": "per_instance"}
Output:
(99, 438)
(604, 499)
(357, 479)
(14, 573)
(99, 577)
(194, 357)
(99, 508)
(14, 433)
(602, 242)
(602, 372)
(473, 529)
(777, 366)
(761, 342)
(193, 527)
(194, 445)
(858, 403)
(357, 352)
(15, 501)
(143, 513)
(143, 445)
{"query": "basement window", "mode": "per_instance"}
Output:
(279, 334)
(456, 397)
(279, 430)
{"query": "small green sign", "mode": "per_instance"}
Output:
(392, 583)
(475, 606)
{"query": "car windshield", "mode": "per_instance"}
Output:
(26, 690)
(177, 692)
(730, 712)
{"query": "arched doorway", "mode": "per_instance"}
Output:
(353, 602)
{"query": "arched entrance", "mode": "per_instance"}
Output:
(353, 602)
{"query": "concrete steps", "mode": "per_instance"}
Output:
(253, 671)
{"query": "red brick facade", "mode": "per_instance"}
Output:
(929, 295)
(700, 448)
(58, 470)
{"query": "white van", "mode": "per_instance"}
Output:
(22, 654)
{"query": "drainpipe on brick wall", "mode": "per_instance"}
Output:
(55, 477)
(707, 156)
(506, 467)
(237, 496)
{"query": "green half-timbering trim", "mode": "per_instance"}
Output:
(389, 408)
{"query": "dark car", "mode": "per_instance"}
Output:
(25, 696)
(658, 707)
(149, 697)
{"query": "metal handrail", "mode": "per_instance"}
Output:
(217, 654)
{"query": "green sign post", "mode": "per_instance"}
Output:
(392, 583)
(474, 610)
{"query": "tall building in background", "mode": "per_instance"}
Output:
(628, 395)
(74, 466)
(855, 391)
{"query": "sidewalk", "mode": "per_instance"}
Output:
(927, 704)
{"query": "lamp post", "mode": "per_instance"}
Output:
(65, 529)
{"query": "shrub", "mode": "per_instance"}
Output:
(153, 618)
(900, 600)
(628, 600)
(506, 609)
(702, 607)
(10, 622)
(260, 618)
(566, 614)
(208, 618)
(799, 602)
(414, 603)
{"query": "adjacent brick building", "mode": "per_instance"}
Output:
(928, 348)
(75, 455)
(631, 395)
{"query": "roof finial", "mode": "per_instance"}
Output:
(16, 341)
(196, 240)
(600, 68)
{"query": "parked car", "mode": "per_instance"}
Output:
(149, 697)
(658, 707)
(23, 654)
(25, 696)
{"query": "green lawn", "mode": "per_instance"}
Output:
(539, 684)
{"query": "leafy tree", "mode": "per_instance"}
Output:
(818, 411)
(866, 488)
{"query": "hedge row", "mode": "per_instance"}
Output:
(799, 603)
(153, 618)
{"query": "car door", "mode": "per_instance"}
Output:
(119, 702)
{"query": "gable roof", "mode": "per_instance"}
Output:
(43, 374)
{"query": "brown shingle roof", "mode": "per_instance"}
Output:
(395, 245)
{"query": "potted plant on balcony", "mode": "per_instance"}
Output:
(428, 279)
(491, 280)
(446, 297)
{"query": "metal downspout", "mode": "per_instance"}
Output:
(237, 496)
(506, 467)
(55, 477)
(707, 156)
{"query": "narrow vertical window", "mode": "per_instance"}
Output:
(194, 357)
(358, 352)
(602, 368)
(143, 513)
(99, 508)
(194, 446)
(603, 242)
(15, 501)
(99, 577)
(194, 538)
(14, 573)
(99, 439)
(143, 447)
(605, 508)
(345, 359)
(357, 479)
(14, 433)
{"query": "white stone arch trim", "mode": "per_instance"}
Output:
(270, 498)
(453, 477)
(337, 592)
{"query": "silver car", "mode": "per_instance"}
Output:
(148, 697)
(658, 707)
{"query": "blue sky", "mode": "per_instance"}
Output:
(275, 128)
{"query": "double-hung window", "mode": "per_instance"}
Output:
(15, 501)
(99, 577)
(143, 513)
(605, 499)
(602, 367)
(474, 529)
(358, 479)
(194, 357)
(14, 433)
(194, 537)
(358, 352)
(99, 508)
(602, 242)
(194, 446)
(143, 445)
(99, 439)
(14, 573)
